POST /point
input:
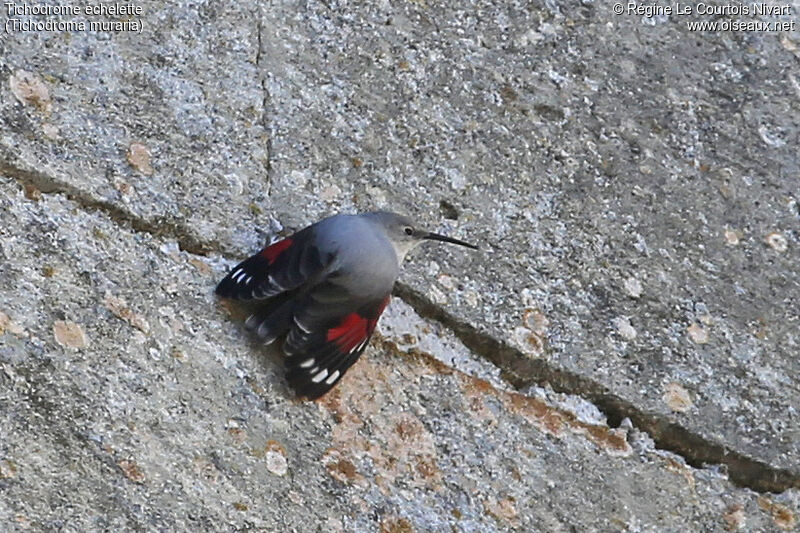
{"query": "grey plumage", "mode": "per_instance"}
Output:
(324, 289)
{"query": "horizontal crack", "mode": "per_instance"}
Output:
(522, 371)
(518, 369)
(160, 227)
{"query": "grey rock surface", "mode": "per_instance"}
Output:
(634, 187)
(131, 402)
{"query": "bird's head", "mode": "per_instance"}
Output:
(405, 235)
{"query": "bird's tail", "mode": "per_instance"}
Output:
(274, 319)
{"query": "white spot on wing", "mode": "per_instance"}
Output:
(320, 376)
(332, 378)
(359, 346)
(265, 291)
(307, 363)
(301, 326)
(275, 283)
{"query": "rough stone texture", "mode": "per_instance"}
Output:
(634, 186)
(187, 90)
(583, 149)
(187, 427)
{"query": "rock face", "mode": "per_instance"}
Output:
(620, 355)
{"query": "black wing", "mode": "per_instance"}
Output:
(330, 332)
(280, 267)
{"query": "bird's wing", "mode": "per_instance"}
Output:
(330, 332)
(281, 266)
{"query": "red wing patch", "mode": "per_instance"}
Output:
(354, 329)
(271, 252)
(350, 331)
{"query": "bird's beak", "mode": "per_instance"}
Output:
(437, 237)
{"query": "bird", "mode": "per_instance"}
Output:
(323, 289)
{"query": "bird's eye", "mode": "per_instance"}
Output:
(408, 230)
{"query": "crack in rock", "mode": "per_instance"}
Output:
(522, 371)
(159, 227)
(266, 97)
(518, 369)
